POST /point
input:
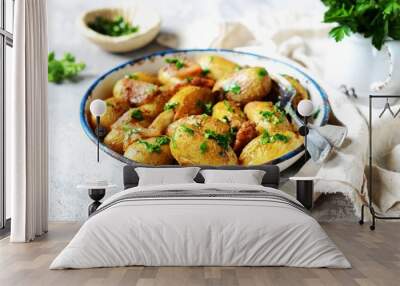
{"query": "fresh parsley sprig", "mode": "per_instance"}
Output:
(64, 68)
(378, 19)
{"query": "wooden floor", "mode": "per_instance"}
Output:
(375, 257)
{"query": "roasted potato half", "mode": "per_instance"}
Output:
(267, 116)
(229, 112)
(114, 109)
(202, 140)
(135, 92)
(144, 76)
(177, 70)
(152, 151)
(266, 147)
(216, 67)
(245, 85)
(190, 100)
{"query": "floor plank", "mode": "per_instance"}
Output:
(375, 257)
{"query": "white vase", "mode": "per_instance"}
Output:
(356, 65)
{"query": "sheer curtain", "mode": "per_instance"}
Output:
(26, 123)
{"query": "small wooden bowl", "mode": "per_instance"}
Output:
(149, 23)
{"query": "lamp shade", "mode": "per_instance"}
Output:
(98, 107)
(305, 108)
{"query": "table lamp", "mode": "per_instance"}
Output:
(305, 109)
(98, 108)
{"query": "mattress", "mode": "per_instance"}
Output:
(200, 225)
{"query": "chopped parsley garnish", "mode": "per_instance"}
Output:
(129, 130)
(205, 71)
(132, 76)
(189, 79)
(275, 117)
(238, 68)
(64, 68)
(171, 105)
(203, 147)
(187, 130)
(267, 138)
(206, 107)
(211, 59)
(109, 104)
(228, 106)
(155, 147)
(115, 27)
(223, 140)
(178, 63)
(262, 72)
(234, 88)
(225, 119)
(137, 114)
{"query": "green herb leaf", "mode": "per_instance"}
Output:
(171, 105)
(338, 33)
(262, 72)
(156, 147)
(137, 114)
(178, 63)
(228, 106)
(267, 138)
(132, 76)
(234, 88)
(205, 71)
(223, 140)
(63, 69)
(115, 27)
(206, 107)
(203, 147)
(187, 130)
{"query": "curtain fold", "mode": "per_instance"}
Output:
(26, 123)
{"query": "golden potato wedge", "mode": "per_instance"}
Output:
(229, 112)
(267, 117)
(266, 148)
(152, 151)
(216, 67)
(245, 85)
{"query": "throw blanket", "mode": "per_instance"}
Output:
(302, 37)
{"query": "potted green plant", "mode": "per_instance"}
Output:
(368, 55)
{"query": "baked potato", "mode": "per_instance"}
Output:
(178, 70)
(229, 112)
(266, 147)
(201, 140)
(135, 92)
(144, 76)
(267, 116)
(114, 109)
(152, 151)
(216, 67)
(245, 85)
(190, 100)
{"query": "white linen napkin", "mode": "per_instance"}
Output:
(302, 37)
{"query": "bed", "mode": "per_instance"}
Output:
(198, 224)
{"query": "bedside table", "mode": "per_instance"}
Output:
(304, 190)
(96, 191)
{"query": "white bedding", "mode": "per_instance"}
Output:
(219, 231)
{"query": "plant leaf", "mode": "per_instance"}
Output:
(339, 32)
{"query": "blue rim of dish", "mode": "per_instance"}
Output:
(90, 133)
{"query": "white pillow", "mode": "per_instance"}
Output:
(166, 176)
(248, 177)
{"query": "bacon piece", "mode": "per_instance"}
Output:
(245, 134)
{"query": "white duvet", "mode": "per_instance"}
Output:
(200, 231)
